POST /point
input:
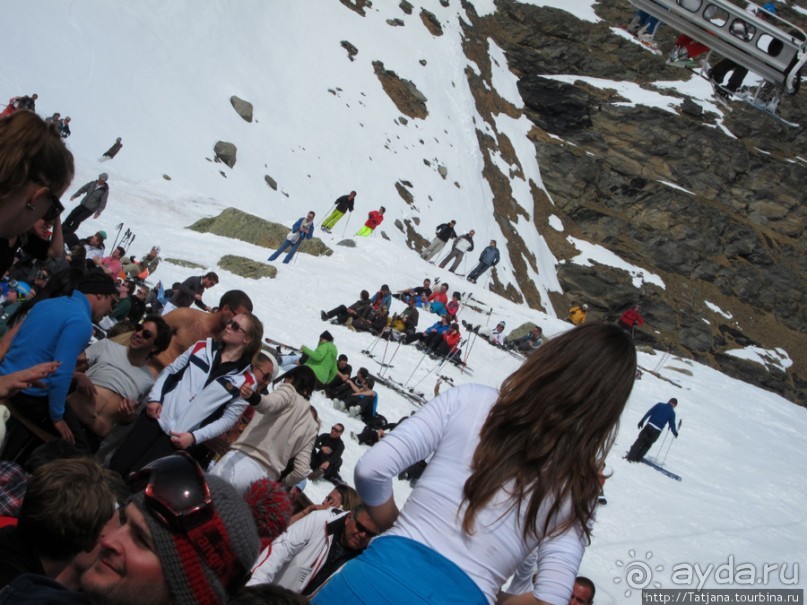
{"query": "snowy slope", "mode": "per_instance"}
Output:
(160, 75)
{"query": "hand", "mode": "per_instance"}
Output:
(126, 409)
(16, 381)
(154, 409)
(182, 441)
(96, 215)
(326, 450)
(675, 435)
(64, 431)
(245, 391)
(74, 196)
(640, 425)
(198, 297)
(84, 385)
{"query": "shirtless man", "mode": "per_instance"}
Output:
(189, 325)
(117, 378)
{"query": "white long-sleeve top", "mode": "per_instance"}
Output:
(187, 401)
(449, 426)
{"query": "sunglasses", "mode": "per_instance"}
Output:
(141, 330)
(363, 529)
(178, 496)
(235, 327)
(56, 208)
(337, 429)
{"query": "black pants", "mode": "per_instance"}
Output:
(365, 404)
(146, 443)
(334, 463)
(643, 443)
(340, 313)
(719, 71)
(78, 215)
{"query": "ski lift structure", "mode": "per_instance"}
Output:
(773, 48)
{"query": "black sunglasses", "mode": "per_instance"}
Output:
(363, 530)
(141, 330)
(235, 327)
(56, 208)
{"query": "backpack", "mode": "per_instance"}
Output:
(377, 422)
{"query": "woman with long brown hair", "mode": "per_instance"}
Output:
(511, 470)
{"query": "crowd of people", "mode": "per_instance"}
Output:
(177, 446)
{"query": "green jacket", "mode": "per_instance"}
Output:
(322, 360)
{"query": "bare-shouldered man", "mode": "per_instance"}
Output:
(189, 326)
(118, 377)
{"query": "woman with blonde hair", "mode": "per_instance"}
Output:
(511, 470)
(195, 398)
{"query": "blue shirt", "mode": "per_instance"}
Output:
(661, 414)
(56, 329)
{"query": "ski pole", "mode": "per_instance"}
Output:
(374, 343)
(327, 214)
(669, 447)
(384, 355)
(346, 224)
(661, 445)
(119, 227)
(487, 279)
(300, 247)
(422, 357)
(387, 366)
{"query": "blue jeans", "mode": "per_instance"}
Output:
(287, 243)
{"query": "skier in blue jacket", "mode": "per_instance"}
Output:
(657, 416)
(301, 230)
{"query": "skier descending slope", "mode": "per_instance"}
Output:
(659, 415)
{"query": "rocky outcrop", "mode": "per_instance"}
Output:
(406, 96)
(225, 152)
(718, 215)
(431, 22)
(246, 267)
(242, 108)
(239, 225)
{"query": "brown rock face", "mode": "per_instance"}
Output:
(407, 98)
(720, 218)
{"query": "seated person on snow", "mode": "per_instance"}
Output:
(382, 298)
(449, 344)
(436, 330)
(419, 293)
(404, 324)
(363, 402)
(322, 359)
(528, 342)
(496, 335)
(343, 371)
(359, 309)
(374, 323)
(326, 456)
(117, 378)
(437, 301)
(346, 390)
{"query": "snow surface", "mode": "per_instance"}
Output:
(717, 309)
(594, 253)
(160, 75)
(777, 357)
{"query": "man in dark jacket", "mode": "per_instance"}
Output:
(659, 415)
(358, 309)
(343, 204)
(326, 459)
(489, 258)
(113, 151)
(93, 204)
(190, 292)
(444, 233)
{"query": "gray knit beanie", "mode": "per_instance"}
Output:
(241, 534)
